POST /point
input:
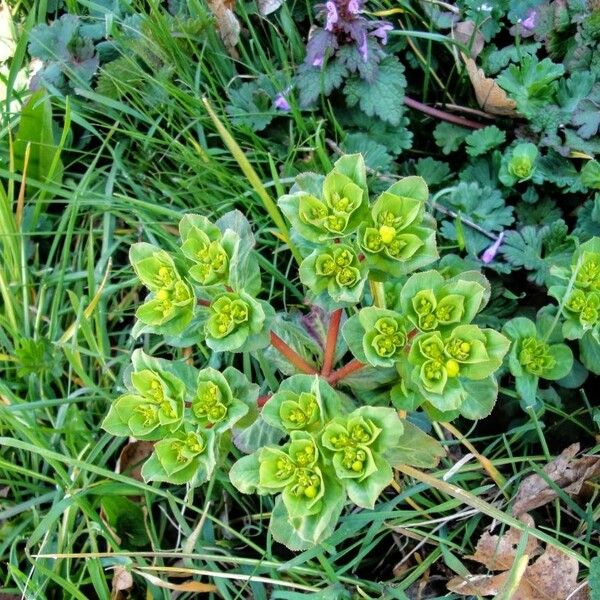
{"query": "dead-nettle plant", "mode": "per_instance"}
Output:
(330, 433)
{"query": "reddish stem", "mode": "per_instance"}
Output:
(349, 368)
(262, 400)
(440, 114)
(203, 302)
(294, 358)
(330, 344)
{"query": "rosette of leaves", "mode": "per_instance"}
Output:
(170, 306)
(377, 336)
(221, 399)
(323, 209)
(185, 411)
(302, 403)
(360, 447)
(310, 499)
(213, 261)
(518, 164)
(327, 460)
(236, 323)
(536, 353)
(432, 303)
(452, 371)
(335, 275)
(207, 249)
(151, 408)
(580, 297)
(579, 301)
(399, 237)
(185, 456)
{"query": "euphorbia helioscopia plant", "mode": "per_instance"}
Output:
(316, 437)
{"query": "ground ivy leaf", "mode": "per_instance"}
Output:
(384, 96)
(484, 140)
(311, 81)
(449, 137)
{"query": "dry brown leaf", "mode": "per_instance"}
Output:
(187, 586)
(465, 33)
(567, 473)
(132, 458)
(266, 7)
(227, 24)
(497, 552)
(490, 96)
(122, 581)
(552, 576)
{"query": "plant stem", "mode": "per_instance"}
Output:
(262, 400)
(294, 358)
(349, 368)
(330, 344)
(378, 293)
(440, 114)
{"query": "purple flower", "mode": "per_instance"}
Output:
(354, 6)
(345, 25)
(526, 27)
(281, 103)
(363, 46)
(332, 16)
(529, 22)
(382, 31)
(489, 255)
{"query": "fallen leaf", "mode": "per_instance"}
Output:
(466, 33)
(187, 586)
(266, 7)
(564, 471)
(227, 24)
(498, 552)
(551, 576)
(122, 581)
(132, 458)
(490, 96)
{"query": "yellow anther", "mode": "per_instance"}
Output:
(387, 234)
(452, 368)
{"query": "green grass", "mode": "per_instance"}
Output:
(149, 157)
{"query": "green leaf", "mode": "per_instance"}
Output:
(244, 272)
(257, 435)
(483, 206)
(589, 349)
(484, 140)
(66, 47)
(35, 129)
(252, 104)
(449, 137)
(590, 174)
(527, 387)
(376, 154)
(587, 116)
(384, 96)
(538, 249)
(127, 520)
(311, 81)
(244, 474)
(416, 448)
(480, 398)
(531, 84)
